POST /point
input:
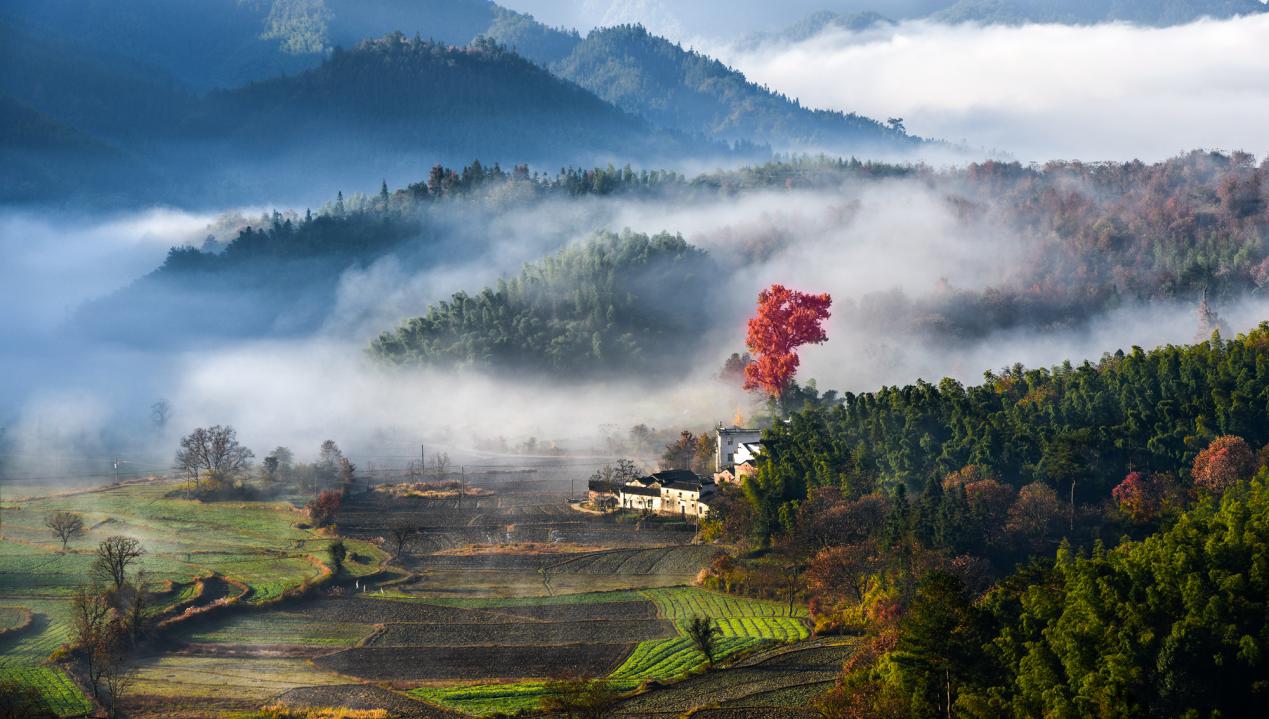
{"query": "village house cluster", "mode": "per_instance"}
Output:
(680, 491)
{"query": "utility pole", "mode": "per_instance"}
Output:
(423, 461)
(462, 484)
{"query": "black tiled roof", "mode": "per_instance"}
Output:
(641, 491)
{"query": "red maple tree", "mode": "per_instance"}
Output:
(786, 320)
(1226, 460)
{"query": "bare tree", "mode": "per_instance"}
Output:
(399, 534)
(440, 463)
(213, 451)
(90, 613)
(137, 615)
(117, 676)
(65, 526)
(160, 413)
(114, 556)
(347, 476)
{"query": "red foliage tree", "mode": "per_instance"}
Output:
(1135, 499)
(786, 320)
(1143, 498)
(322, 510)
(1226, 460)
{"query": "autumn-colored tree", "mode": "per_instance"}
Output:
(323, 509)
(1226, 460)
(1143, 498)
(1036, 513)
(679, 453)
(786, 319)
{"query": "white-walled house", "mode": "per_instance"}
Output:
(728, 443)
(748, 452)
(679, 492)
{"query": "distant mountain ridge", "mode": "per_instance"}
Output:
(684, 90)
(399, 94)
(1153, 13)
(216, 93)
(1081, 12)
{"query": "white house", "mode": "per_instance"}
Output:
(728, 443)
(748, 452)
(675, 491)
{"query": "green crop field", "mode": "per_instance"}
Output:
(744, 625)
(59, 692)
(256, 543)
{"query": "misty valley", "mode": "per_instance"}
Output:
(826, 359)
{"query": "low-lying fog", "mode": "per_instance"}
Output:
(1039, 92)
(87, 401)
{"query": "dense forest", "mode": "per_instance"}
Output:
(1078, 429)
(1095, 237)
(965, 533)
(614, 305)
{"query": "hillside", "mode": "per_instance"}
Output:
(100, 92)
(684, 90)
(617, 304)
(399, 97)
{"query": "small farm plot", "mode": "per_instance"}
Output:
(456, 663)
(58, 692)
(785, 678)
(521, 633)
(512, 639)
(682, 561)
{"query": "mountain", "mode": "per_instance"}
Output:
(1078, 12)
(409, 102)
(99, 92)
(684, 90)
(201, 43)
(40, 156)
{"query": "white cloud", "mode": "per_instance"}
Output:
(1041, 92)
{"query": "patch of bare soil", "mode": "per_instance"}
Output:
(470, 663)
(361, 697)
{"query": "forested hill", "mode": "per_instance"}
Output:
(615, 305)
(1075, 428)
(1081, 541)
(685, 90)
(435, 102)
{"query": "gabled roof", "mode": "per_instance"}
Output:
(670, 476)
(598, 485)
(636, 490)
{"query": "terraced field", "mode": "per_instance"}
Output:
(781, 683)
(748, 625)
(472, 632)
(254, 543)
